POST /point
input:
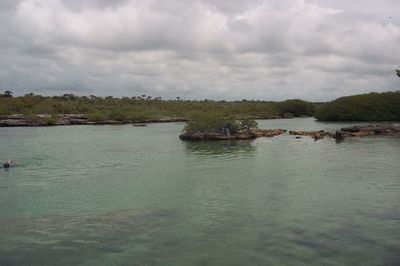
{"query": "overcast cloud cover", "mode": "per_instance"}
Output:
(215, 49)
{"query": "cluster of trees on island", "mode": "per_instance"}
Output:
(365, 107)
(217, 122)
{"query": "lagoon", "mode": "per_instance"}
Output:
(123, 195)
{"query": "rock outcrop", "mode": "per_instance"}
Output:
(353, 131)
(249, 134)
(314, 134)
(19, 120)
(373, 129)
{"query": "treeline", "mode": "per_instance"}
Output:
(365, 107)
(147, 107)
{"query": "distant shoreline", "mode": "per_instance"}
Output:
(36, 110)
(46, 120)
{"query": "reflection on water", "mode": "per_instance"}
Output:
(222, 148)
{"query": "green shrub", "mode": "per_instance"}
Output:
(296, 107)
(51, 121)
(365, 107)
(217, 123)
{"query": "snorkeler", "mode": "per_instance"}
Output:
(11, 163)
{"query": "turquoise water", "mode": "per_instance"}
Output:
(123, 195)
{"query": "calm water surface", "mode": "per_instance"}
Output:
(123, 195)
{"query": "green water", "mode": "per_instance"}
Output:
(123, 195)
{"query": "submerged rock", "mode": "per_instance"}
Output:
(77, 238)
(314, 134)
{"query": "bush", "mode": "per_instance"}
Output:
(365, 107)
(247, 124)
(217, 123)
(296, 107)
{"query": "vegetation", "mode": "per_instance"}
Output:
(146, 107)
(204, 115)
(7, 94)
(365, 107)
(217, 123)
(297, 107)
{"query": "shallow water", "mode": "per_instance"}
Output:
(123, 195)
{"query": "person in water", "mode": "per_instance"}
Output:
(10, 163)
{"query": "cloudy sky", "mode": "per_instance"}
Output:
(215, 49)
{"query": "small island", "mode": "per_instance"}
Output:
(206, 127)
(219, 127)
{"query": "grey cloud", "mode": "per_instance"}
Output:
(275, 49)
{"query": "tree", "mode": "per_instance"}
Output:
(398, 72)
(69, 96)
(8, 94)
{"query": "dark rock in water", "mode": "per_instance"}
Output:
(139, 125)
(298, 137)
(338, 135)
(351, 129)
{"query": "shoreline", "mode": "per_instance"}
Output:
(46, 120)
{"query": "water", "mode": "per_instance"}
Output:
(123, 195)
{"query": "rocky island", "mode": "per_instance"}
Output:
(247, 134)
(340, 134)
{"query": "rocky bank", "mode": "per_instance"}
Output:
(19, 120)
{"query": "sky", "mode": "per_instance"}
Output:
(314, 50)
